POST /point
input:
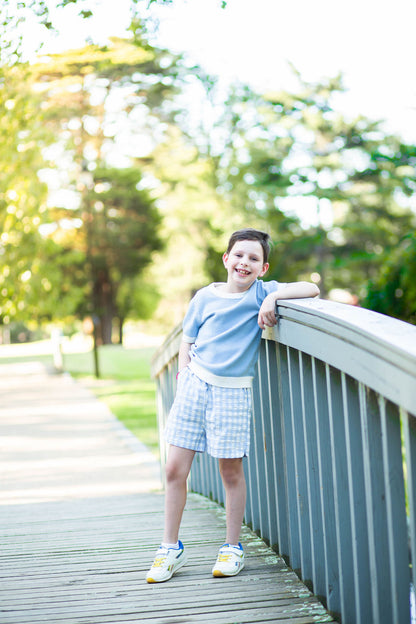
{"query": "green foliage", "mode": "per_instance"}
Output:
(333, 192)
(394, 291)
(351, 169)
(121, 222)
(137, 298)
(15, 14)
(57, 285)
(121, 226)
(78, 262)
(111, 237)
(22, 193)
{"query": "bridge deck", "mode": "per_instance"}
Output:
(81, 513)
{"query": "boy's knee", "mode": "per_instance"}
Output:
(231, 471)
(174, 471)
(171, 472)
(178, 464)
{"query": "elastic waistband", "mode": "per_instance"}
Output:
(216, 380)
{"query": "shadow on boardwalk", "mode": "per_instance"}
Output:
(81, 514)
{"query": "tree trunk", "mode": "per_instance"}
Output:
(95, 348)
(104, 306)
(120, 329)
(106, 324)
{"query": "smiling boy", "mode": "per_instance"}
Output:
(212, 407)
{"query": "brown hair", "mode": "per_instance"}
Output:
(250, 234)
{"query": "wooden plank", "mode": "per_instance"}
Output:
(80, 520)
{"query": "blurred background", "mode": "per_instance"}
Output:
(136, 136)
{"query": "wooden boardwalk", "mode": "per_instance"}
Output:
(81, 514)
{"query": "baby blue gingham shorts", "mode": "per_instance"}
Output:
(209, 418)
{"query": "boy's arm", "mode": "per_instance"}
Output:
(295, 290)
(184, 355)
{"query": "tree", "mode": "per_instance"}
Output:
(393, 292)
(350, 169)
(15, 15)
(120, 229)
(231, 145)
(22, 193)
(137, 298)
(96, 257)
(252, 172)
(193, 215)
(116, 224)
(332, 191)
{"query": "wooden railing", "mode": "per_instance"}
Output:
(331, 473)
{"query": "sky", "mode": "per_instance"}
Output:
(370, 41)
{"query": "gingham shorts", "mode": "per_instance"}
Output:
(209, 418)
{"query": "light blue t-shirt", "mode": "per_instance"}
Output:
(222, 328)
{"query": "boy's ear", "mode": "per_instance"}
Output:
(264, 269)
(225, 258)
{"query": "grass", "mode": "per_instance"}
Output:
(134, 405)
(124, 385)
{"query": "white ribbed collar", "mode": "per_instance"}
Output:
(214, 288)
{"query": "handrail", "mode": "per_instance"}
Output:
(331, 473)
(388, 344)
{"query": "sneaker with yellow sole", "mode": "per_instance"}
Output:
(167, 562)
(230, 561)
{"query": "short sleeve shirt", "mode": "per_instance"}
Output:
(224, 333)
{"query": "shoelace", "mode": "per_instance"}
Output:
(224, 557)
(159, 561)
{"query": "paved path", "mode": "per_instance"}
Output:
(81, 513)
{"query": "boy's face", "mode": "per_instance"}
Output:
(244, 264)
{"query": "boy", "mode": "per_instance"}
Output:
(212, 407)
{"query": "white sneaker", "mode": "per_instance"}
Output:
(166, 563)
(230, 561)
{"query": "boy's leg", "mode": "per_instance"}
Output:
(234, 482)
(230, 559)
(171, 555)
(177, 470)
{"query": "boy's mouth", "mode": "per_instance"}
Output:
(243, 272)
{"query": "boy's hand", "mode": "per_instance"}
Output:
(267, 313)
